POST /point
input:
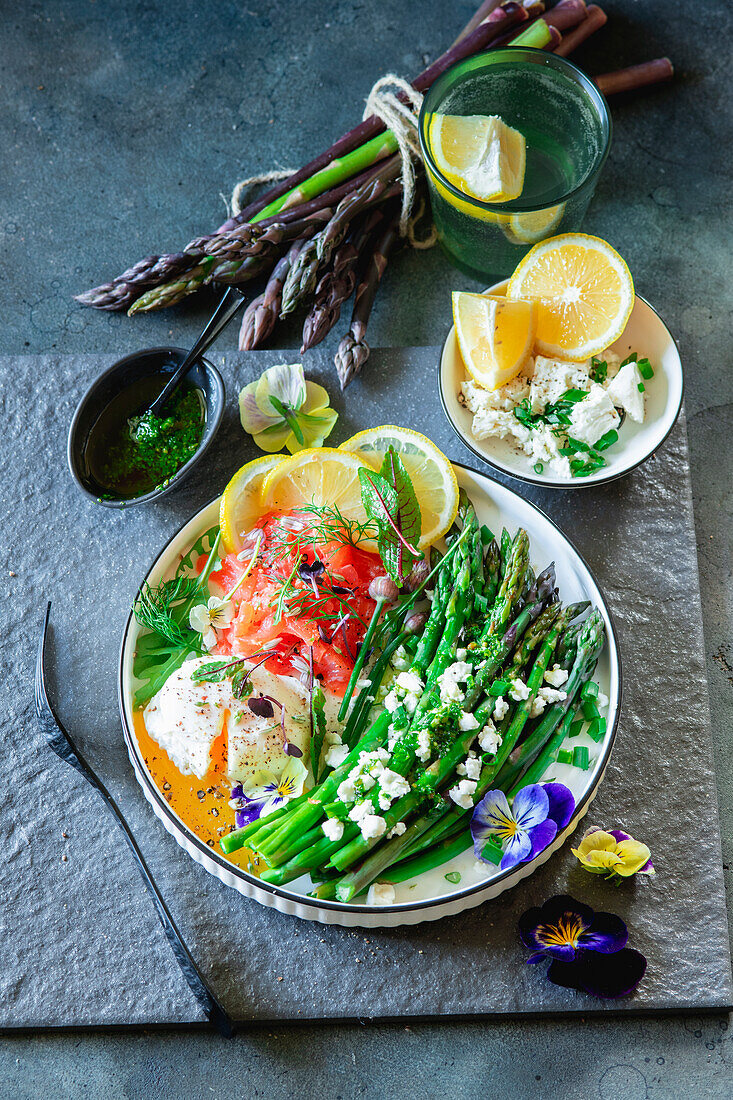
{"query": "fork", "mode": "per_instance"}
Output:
(59, 739)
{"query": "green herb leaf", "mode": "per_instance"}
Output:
(598, 370)
(318, 702)
(390, 502)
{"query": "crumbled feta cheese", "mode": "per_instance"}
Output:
(450, 691)
(361, 684)
(462, 794)
(552, 378)
(504, 425)
(358, 812)
(393, 784)
(593, 416)
(518, 689)
(424, 748)
(625, 394)
(501, 707)
(544, 446)
(372, 826)
(477, 400)
(333, 737)
(467, 722)
(470, 767)
(380, 893)
(336, 755)
(602, 700)
(397, 830)
(410, 702)
(449, 680)
(556, 676)
(489, 740)
(552, 695)
(410, 681)
(333, 828)
(401, 659)
(392, 702)
(537, 707)
(346, 789)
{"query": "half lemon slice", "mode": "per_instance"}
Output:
(495, 336)
(584, 294)
(320, 476)
(241, 505)
(480, 155)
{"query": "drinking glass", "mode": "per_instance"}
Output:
(567, 129)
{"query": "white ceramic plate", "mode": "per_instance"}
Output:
(646, 333)
(431, 895)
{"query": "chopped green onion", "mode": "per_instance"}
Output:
(597, 729)
(598, 369)
(486, 535)
(645, 369)
(575, 728)
(565, 756)
(580, 757)
(641, 387)
(577, 444)
(492, 851)
(607, 440)
(499, 687)
(590, 709)
(573, 396)
(631, 358)
(589, 690)
(538, 467)
(453, 876)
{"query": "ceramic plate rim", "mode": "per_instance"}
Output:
(223, 869)
(556, 482)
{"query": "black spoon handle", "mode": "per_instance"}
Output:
(228, 308)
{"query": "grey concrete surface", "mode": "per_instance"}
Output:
(120, 126)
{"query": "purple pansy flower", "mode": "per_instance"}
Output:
(587, 949)
(265, 793)
(538, 813)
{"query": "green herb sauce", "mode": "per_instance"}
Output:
(130, 455)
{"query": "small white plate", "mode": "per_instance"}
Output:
(428, 896)
(646, 333)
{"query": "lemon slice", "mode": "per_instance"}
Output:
(480, 155)
(535, 225)
(430, 471)
(240, 504)
(319, 475)
(584, 293)
(495, 336)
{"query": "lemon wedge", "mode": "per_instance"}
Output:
(319, 475)
(584, 294)
(495, 336)
(480, 155)
(430, 471)
(241, 505)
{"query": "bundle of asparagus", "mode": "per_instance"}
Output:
(492, 616)
(328, 229)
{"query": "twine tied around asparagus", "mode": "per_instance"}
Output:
(402, 119)
(236, 203)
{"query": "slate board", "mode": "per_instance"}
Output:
(81, 943)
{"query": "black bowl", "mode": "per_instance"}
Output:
(126, 372)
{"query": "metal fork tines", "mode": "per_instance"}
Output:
(62, 744)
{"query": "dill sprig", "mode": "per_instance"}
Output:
(327, 523)
(156, 608)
